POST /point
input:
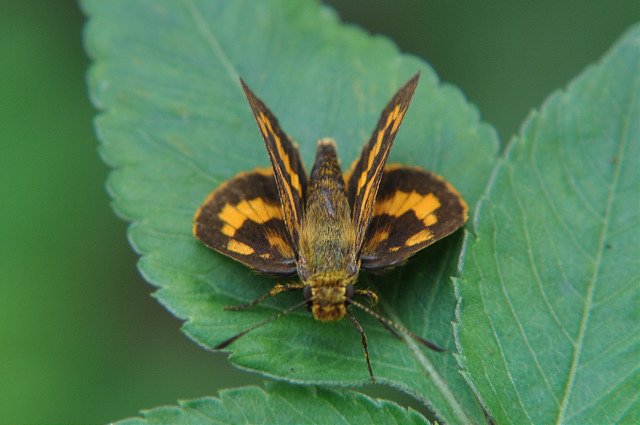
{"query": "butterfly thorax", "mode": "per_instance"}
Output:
(327, 258)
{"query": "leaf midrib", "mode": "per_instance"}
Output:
(212, 41)
(429, 369)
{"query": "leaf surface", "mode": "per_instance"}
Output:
(175, 125)
(550, 324)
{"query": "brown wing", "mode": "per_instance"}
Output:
(414, 208)
(291, 179)
(243, 220)
(364, 178)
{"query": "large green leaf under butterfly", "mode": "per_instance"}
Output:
(175, 125)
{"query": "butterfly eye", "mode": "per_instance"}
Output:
(350, 292)
(306, 293)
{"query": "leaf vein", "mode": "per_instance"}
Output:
(431, 371)
(549, 200)
(188, 161)
(212, 41)
(497, 338)
(512, 308)
(534, 267)
(611, 389)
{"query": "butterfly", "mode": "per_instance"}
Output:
(327, 226)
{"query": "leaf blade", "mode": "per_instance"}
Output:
(537, 274)
(169, 121)
(280, 404)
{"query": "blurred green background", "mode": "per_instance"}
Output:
(81, 340)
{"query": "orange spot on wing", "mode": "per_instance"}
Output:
(428, 204)
(293, 178)
(430, 220)
(264, 211)
(268, 130)
(275, 240)
(378, 237)
(232, 216)
(399, 198)
(423, 206)
(228, 230)
(397, 121)
(419, 237)
(409, 204)
(239, 247)
(401, 202)
(256, 210)
(375, 150)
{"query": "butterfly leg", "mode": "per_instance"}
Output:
(363, 337)
(391, 330)
(373, 297)
(373, 302)
(279, 288)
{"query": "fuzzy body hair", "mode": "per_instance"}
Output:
(327, 247)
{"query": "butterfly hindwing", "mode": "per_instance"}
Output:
(365, 175)
(243, 219)
(290, 177)
(414, 208)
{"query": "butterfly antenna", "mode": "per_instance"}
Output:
(396, 326)
(226, 342)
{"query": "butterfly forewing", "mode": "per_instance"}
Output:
(243, 220)
(290, 176)
(365, 176)
(414, 208)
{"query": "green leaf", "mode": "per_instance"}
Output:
(281, 404)
(175, 125)
(549, 326)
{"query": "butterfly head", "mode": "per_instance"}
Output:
(327, 296)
